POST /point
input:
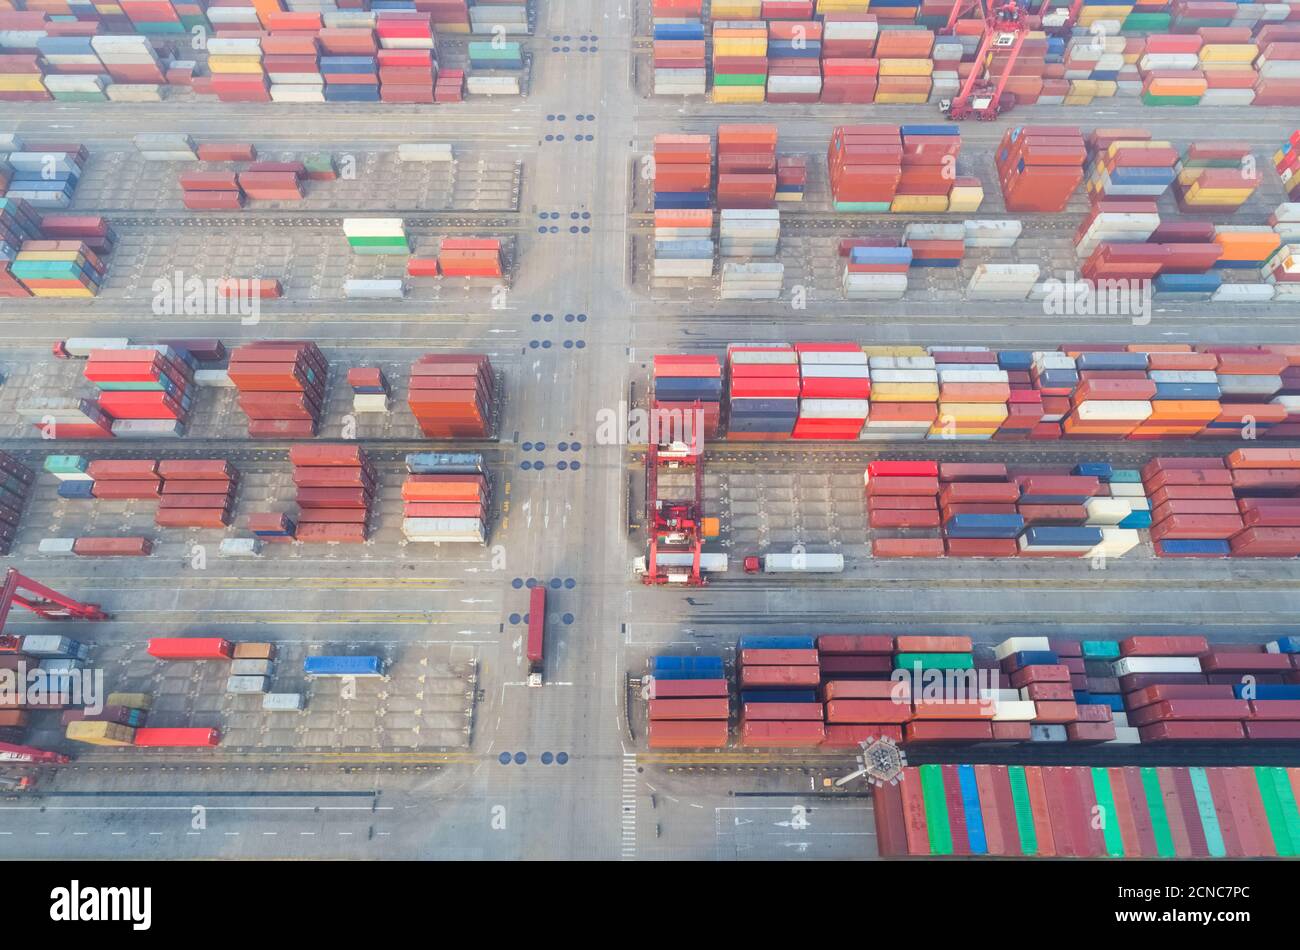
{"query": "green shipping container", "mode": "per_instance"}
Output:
(862, 207)
(1100, 649)
(1109, 816)
(934, 661)
(1151, 100)
(1024, 811)
(65, 464)
(740, 79)
(936, 810)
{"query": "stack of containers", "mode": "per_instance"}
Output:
(18, 224)
(487, 60)
(942, 719)
(407, 60)
(93, 230)
(348, 64)
(1186, 396)
(115, 479)
(1113, 397)
(452, 396)
(1286, 160)
(1279, 78)
(875, 269)
(865, 163)
(903, 497)
(370, 390)
(59, 417)
(679, 59)
(449, 86)
(198, 493)
(849, 77)
(739, 60)
(1118, 221)
(1025, 407)
(211, 191)
(20, 77)
(490, 16)
(746, 166)
(777, 666)
(904, 394)
(272, 528)
(1249, 379)
(58, 269)
(834, 388)
(147, 390)
(273, 181)
(336, 486)
(376, 236)
(679, 383)
(292, 64)
(1039, 167)
(281, 387)
(1130, 167)
(1215, 178)
(45, 179)
(683, 170)
(1002, 281)
(973, 394)
(749, 232)
(905, 66)
(446, 498)
(1194, 506)
(15, 485)
(861, 702)
(470, 257)
(763, 392)
(1044, 686)
(756, 280)
(700, 683)
(791, 178)
(794, 51)
(237, 73)
(1266, 483)
(929, 164)
(129, 59)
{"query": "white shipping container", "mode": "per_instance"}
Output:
(55, 546)
(1156, 664)
(240, 547)
(1021, 645)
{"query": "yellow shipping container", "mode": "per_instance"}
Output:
(905, 392)
(739, 47)
(843, 6)
(100, 733)
(1241, 53)
(906, 67)
(1073, 100)
(964, 199)
(242, 64)
(919, 204)
(129, 700)
(1106, 88)
(985, 412)
(736, 10)
(21, 82)
(902, 98)
(885, 349)
(453, 27)
(732, 94)
(52, 256)
(61, 292)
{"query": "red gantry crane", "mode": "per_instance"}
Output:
(48, 604)
(675, 525)
(1005, 27)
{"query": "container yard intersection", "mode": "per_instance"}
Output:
(331, 348)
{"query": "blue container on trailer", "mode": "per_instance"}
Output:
(1268, 691)
(1286, 645)
(751, 641)
(1059, 536)
(1110, 361)
(923, 129)
(970, 806)
(680, 388)
(444, 463)
(77, 489)
(343, 666)
(682, 200)
(351, 93)
(1015, 360)
(779, 696)
(1187, 283)
(1188, 391)
(1035, 658)
(880, 255)
(984, 526)
(1102, 470)
(679, 31)
(1136, 519)
(1196, 547)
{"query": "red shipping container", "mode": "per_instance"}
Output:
(176, 737)
(190, 648)
(699, 708)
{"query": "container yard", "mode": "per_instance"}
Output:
(651, 430)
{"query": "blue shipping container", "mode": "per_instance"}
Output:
(343, 666)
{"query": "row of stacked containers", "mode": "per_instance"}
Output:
(1080, 812)
(1135, 392)
(840, 690)
(1178, 53)
(50, 254)
(256, 51)
(191, 493)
